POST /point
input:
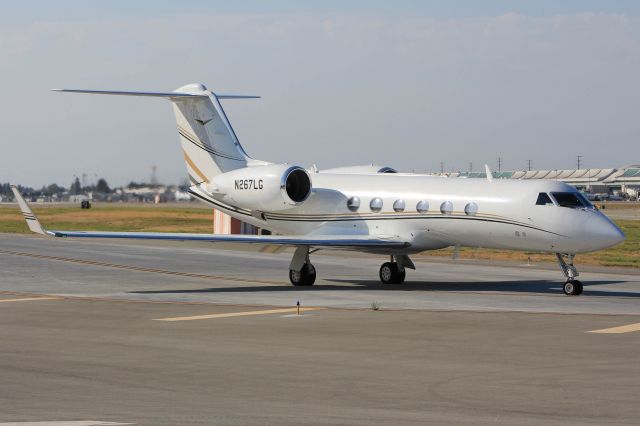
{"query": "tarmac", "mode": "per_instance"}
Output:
(170, 333)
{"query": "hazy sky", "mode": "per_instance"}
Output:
(405, 83)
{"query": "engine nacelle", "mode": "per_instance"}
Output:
(371, 168)
(266, 188)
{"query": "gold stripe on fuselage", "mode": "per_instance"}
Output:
(194, 167)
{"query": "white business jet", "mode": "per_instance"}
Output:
(365, 208)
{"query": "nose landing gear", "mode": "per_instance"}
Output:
(572, 287)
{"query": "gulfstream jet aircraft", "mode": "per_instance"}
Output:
(363, 208)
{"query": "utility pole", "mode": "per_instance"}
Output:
(499, 164)
(579, 160)
(442, 167)
(470, 167)
(154, 176)
(529, 164)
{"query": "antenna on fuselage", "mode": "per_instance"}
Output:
(489, 173)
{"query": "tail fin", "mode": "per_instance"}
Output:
(209, 144)
(32, 220)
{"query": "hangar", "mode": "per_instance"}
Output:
(623, 181)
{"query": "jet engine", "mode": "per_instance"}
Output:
(272, 187)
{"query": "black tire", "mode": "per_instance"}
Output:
(310, 273)
(388, 273)
(306, 276)
(577, 288)
(572, 288)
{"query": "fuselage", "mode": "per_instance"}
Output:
(435, 212)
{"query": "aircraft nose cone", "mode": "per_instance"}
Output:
(604, 232)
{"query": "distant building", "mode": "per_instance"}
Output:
(624, 181)
(225, 224)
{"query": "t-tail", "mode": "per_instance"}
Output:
(209, 144)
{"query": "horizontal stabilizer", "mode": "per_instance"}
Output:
(168, 95)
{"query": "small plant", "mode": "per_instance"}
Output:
(375, 306)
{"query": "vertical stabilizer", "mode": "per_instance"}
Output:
(209, 144)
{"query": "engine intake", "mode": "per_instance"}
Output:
(297, 184)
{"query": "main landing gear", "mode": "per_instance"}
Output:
(572, 287)
(301, 271)
(394, 272)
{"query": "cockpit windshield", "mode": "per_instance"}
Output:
(573, 200)
(585, 200)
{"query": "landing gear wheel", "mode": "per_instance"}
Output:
(391, 274)
(572, 288)
(306, 276)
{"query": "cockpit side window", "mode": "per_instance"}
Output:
(569, 199)
(585, 200)
(544, 200)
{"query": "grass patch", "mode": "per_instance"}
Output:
(111, 218)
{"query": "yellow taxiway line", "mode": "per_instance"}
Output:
(27, 299)
(238, 314)
(618, 330)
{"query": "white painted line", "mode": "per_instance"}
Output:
(67, 423)
(237, 314)
(26, 299)
(618, 330)
(296, 315)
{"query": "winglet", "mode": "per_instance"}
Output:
(32, 220)
(489, 173)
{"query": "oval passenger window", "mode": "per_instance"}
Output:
(446, 207)
(376, 204)
(353, 203)
(471, 209)
(422, 206)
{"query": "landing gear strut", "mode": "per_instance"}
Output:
(301, 271)
(394, 272)
(572, 287)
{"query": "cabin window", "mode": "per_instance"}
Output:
(353, 204)
(399, 205)
(422, 206)
(568, 199)
(376, 204)
(544, 200)
(446, 207)
(471, 209)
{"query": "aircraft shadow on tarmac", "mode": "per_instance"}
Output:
(537, 286)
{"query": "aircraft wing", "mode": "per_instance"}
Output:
(343, 241)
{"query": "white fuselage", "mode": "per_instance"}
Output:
(506, 215)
